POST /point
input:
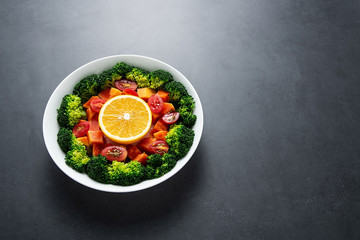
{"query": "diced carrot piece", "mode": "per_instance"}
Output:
(94, 124)
(144, 145)
(167, 107)
(155, 117)
(84, 140)
(142, 158)
(160, 135)
(87, 104)
(95, 137)
(164, 95)
(133, 151)
(97, 148)
(145, 93)
(114, 92)
(160, 126)
(105, 94)
(90, 113)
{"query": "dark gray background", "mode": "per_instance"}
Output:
(279, 83)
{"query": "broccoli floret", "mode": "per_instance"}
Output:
(159, 77)
(76, 157)
(158, 165)
(140, 76)
(188, 102)
(179, 138)
(186, 107)
(70, 111)
(107, 79)
(126, 174)
(97, 169)
(154, 160)
(122, 68)
(176, 90)
(87, 87)
(65, 139)
(186, 117)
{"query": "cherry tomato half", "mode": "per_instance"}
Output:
(156, 103)
(170, 117)
(125, 84)
(159, 147)
(114, 153)
(129, 91)
(81, 129)
(96, 104)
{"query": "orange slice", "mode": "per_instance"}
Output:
(125, 119)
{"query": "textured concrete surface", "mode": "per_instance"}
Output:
(279, 83)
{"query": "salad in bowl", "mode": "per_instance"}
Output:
(123, 123)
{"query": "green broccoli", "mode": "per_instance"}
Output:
(97, 169)
(158, 165)
(188, 102)
(159, 77)
(186, 117)
(179, 138)
(87, 87)
(126, 174)
(140, 76)
(70, 111)
(122, 68)
(176, 90)
(76, 157)
(65, 139)
(186, 107)
(107, 79)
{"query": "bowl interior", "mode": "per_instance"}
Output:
(51, 127)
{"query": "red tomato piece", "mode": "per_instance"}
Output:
(96, 104)
(159, 147)
(114, 153)
(155, 103)
(170, 117)
(81, 129)
(125, 84)
(129, 91)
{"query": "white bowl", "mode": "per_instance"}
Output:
(51, 127)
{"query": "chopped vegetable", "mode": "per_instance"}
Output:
(105, 94)
(87, 104)
(95, 137)
(114, 92)
(159, 147)
(96, 104)
(167, 107)
(170, 117)
(133, 151)
(145, 93)
(141, 158)
(164, 95)
(114, 153)
(160, 135)
(81, 128)
(160, 126)
(125, 84)
(156, 103)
